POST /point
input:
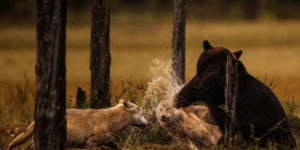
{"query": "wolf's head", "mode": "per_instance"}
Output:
(166, 113)
(136, 115)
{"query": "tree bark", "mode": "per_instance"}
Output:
(50, 106)
(80, 98)
(100, 58)
(231, 93)
(178, 40)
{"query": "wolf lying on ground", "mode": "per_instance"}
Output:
(92, 128)
(187, 126)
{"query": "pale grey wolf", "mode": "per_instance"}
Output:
(187, 126)
(94, 127)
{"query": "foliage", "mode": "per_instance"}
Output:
(292, 110)
(271, 85)
(205, 10)
(21, 96)
(129, 91)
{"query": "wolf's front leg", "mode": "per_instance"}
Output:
(190, 145)
(90, 146)
(91, 143)
(113, 145)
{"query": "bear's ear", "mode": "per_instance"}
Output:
(206, 45)
(238, 54)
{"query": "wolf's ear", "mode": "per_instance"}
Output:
(238, 54)
(121, 101)
(126, 104)
(206, 45)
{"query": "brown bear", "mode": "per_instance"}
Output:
(257, 106)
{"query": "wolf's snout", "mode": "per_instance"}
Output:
(143, 123)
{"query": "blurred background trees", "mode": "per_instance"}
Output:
(224, 10)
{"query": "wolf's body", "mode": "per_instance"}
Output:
(91, 127)
(187, 126)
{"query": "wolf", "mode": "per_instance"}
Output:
(94, 127)
(187, 126)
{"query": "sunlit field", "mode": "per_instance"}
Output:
(271, 51)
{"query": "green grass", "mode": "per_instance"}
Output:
(270, 49)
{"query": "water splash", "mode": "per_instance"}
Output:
(163, 86)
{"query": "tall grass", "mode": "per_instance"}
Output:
(21, 96)
(14, 120)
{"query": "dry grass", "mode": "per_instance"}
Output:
(270, 48)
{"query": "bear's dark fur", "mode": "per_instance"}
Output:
(256, 104)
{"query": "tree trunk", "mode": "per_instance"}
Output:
(50, 107)
(100, 58)
(80, 98)
(231, 91)
(178, 40)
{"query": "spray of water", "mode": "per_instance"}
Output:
(163, 86)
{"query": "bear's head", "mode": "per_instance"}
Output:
(214, 59)
(210, 76)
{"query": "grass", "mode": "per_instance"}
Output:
(270, 49)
